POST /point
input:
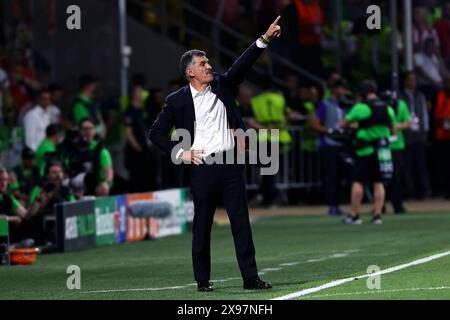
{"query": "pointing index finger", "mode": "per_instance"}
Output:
(277, 20)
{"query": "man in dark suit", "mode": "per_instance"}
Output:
(206, 108)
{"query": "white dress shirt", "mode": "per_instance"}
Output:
(35, 122)
(212, 132)
(55, 114)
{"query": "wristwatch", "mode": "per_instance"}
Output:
(264, 40)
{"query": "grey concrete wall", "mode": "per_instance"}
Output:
(154, 55)
(95, 48)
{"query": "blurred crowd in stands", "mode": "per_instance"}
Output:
(57, 145)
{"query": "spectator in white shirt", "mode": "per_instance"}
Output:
(37, 119)
(431, 69)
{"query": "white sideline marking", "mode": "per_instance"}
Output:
(157, 289)
(288, 264)
(356, 293)
(333, 256)
(342, 281)
(262, 272)
(142, 289)
(270, 269)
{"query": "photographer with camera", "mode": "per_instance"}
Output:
(373, 163)
(90, 162)
(42, 201)
(326, 121)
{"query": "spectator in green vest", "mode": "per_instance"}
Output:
(24, 176)
(91, 159)
(85, 107)
(375, 120)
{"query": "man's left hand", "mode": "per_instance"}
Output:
(274, 29)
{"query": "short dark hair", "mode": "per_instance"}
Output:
(86, 80)
(53, 163)
(340, 83)
(82, 121)
(27, 153)
(52, 130)
(366, 87)
(186, 60)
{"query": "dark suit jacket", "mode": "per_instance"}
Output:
(179, 109)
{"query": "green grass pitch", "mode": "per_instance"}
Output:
(294, 253)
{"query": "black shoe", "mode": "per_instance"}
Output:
(205, 286)
(349, 219)
(377, 220)
(256, 284)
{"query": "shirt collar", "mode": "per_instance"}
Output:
(196, 93)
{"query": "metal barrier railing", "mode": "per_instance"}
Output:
(299, 167)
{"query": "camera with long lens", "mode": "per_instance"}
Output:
(75, 183)
(81, 181)
(389, 97)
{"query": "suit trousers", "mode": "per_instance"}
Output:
(210, 184)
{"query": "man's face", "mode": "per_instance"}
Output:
(411, 81)
(137, 96)
(55, 174)
(91, 89)
(57, 96)
(87, 131)
(304, 94)
(291, 82)
(420, 15)
(4, 182)
(200, 70)
(314, 94)
(159, 97)
(245, 95)
(340, 92)
(28, 162)
(335, 76)
(45, 99)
